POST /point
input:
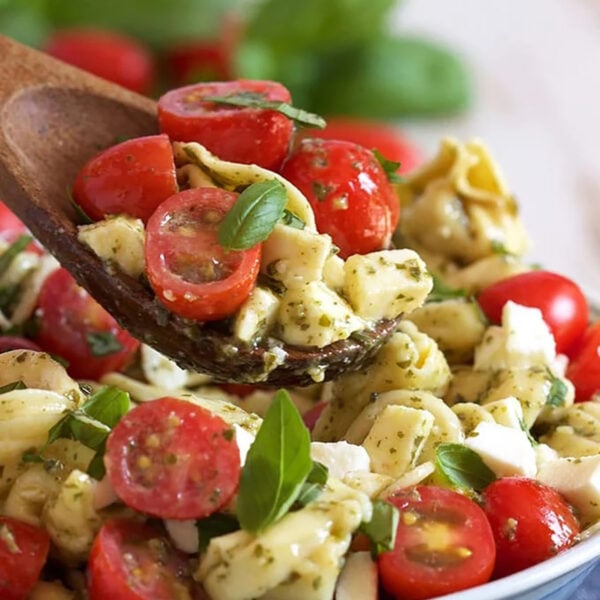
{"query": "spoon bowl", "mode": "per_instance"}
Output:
(53, 118)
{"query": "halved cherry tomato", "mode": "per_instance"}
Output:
(190, 272)
(444, 543)
(238, 134)
(584, 368)
(75, 327)
(531, 523)
(349, 192)
(563, 305)
(23, 552)
(133, 561)
(107, 54)
(173, 459)
(131, 178)
(14, 342)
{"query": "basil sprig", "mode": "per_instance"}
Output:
(381, 529)
(302, 118)
(463, 467)
(253, 216)
(277, 465)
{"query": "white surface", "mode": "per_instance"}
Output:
(536, 66)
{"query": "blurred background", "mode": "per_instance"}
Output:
(522, 76)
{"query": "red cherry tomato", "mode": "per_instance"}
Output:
(531, 522)
(132, 561)
(311, 416)
(392, 144)
(75, 327)
(14, 342)
(563, 305)
(192, 275)
(109, 55)
(349, 192)
(443, 544)
(584, 368)
(238, 134)
(133, 178)
(11, 228)
(173, 459)
(23, 552)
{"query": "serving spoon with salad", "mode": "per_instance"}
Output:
(53, 118)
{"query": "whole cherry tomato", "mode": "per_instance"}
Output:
(563, 304)
(190, 272)
(349, 192)
(238, 134)
(107, 54)
(444, 544)
(131, 178)
(584, 368)
(531, 523)
(75, 327)
(173, 459)
(23, 552)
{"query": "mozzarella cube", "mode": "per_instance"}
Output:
(183, 534)
(160, 370)
(333, 272)
(340, 458)
(358, 579)
(507, 412)
(506, 451)
(244, 439)
(256, 315)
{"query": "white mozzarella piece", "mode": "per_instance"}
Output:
(244, 440)
(507, 412)
(256, 315)
(340, 458)
(183, 534)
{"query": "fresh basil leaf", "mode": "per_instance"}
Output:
(107, 405)
(291, 220)
(96, 468)
(103, 343)
(463, 467)
(381, 529)
(318, 474)
(13, 251)
(390, 167)
(213, 526)
(308, 493)
(87, 430)
(13, 385)
(526, 431)
(277, 465)
(301, 118)
(253, 216)
(441, 291)
(557, 394)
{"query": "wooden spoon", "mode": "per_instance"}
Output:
(53, 118)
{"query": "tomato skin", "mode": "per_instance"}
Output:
(131, 178)
(107, 54)
(68, 314)
(191, 274)
(564, 306)
(154, 569)
(531, 523)
(584, 368)
(349, 192)
(20, 569)
(237, 134)
(311, 416)
(170, 448)
(455, 526)
(14, 342)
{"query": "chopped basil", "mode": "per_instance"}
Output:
(103, 343)
(213, 526)
(557, 393)
(301, 118)
(463, 467)
(13, 385)
(381, 529)
(13, 251)
(390, 167)
(277, 465)
(441, 291)
(253, 216)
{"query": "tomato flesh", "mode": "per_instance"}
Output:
(531, 523)
(190, 272)
(444, 544)
(75, 327)
(584, 368)
(563, 304)
(23, 552)
(131, 178)
(237, 134)
(173, 459)
(349, 192)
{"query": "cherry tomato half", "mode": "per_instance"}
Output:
(584, 368)
(238, 134)
(132, 561)
(109, 55)
(75, 327)
(349, 192)
(131, 178)
(192, 275)
(173, 459)
(531, 523)
(444, 543)
(23, 552)
(563, 305)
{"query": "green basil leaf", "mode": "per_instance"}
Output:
(13, 251)
(318, 474)
(301, 118)
(213, 526)
(381, 529)
(499, 247)
(103, 343)
(8, 296)
(557, 394)
(253, 216)
(463, 467)
(308, 493)
(277, 465)
(390, 167)
(96, 468)
(526, 431)
(87, 430)
(441, 291)
(291, 220)
(107, 405)
(13, 385)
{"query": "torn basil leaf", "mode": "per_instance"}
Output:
(213, 526)
(381, 529)
(291, 220)
(463, 467)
